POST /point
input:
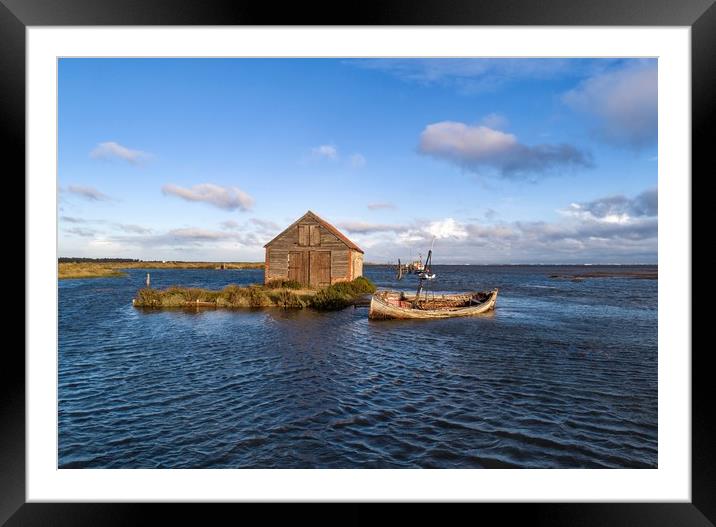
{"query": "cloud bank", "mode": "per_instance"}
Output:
(613, 229)
(106, 224)
(81, 232)
(480, 147)
(132, 228)
(617, 209)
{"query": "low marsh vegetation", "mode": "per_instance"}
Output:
(286, 295)
(84, 268)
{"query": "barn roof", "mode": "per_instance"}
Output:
(325, 224)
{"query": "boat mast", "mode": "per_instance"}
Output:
(425, 274)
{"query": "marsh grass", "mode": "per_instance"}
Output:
(91, 269)
(330, 298)
(286, 299)
(342, 294)
(87, 270)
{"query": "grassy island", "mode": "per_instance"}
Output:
(86, 270)
(279, 293)
(106, 269)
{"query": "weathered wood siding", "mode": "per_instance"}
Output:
(311, 254)
(357, 264)
(298, 266)
(320, 268)
(339, 264)
(276, 263)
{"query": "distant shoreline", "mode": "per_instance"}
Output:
(113, 267)
(110, 268)
(645, 274)
(585, 265)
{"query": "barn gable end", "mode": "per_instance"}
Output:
(313, 252)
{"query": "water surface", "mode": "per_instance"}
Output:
(562, 375)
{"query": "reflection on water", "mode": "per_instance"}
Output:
(562, 374)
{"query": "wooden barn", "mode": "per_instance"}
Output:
(313, 252)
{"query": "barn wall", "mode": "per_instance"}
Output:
(277, 264)
(356, 264)
(339, 264)
(342, 257)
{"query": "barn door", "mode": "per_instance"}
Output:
(320, 267)
(298, 266)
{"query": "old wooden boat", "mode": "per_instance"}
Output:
(397, 304)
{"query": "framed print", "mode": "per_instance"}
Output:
(418, 255)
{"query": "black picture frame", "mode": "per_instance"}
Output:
(699, 15)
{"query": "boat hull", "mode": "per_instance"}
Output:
(387, 305)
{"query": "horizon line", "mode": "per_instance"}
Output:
(120, 259)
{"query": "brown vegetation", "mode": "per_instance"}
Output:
(99, 269)
(87, 270)
(336, 296)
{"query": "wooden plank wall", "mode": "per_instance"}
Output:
(339, 265)
(306, 237)
(357, 264)
(277, 263)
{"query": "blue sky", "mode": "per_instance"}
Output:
(497, 160)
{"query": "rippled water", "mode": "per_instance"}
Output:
(563, 374)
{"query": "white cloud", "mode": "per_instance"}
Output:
(132, 228)
(447, 228)
(182, 237)
(112, 150)
(624, 103)
(325, 151)
(330, 152)
(613, 229)
(88, 193)
(197, 234)
(126, 227)
(616, 209)
(81, 231)
(227, 198)
(70, 219)
(188, 239)
(574, 240)
(357, 160)
(478, 147)
(381, 205)
(105, 224)
(494, 121)
(460, 141)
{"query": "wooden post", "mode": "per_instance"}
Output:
(148, 281)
